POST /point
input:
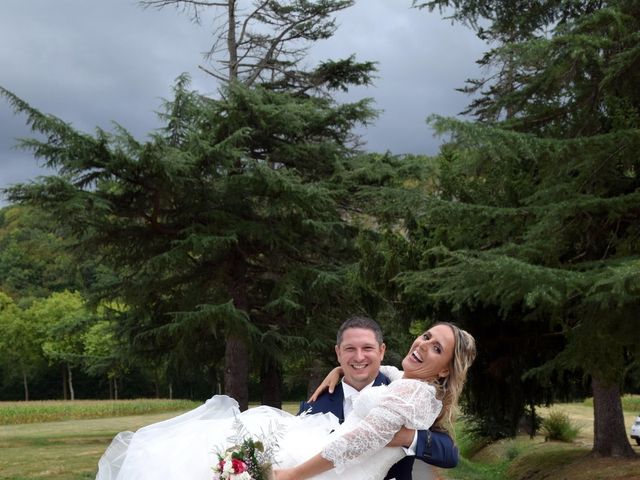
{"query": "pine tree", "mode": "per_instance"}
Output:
(210, 229)
(223, 225)
(537, 219)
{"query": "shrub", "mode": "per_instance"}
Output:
(558, 426)
(513, 451)
(468, 440)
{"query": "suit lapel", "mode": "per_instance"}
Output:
(381, 380)
(336, 400)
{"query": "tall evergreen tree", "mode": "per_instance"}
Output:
(221, 226)
(537, 219)
(211, 227)
(265, 43)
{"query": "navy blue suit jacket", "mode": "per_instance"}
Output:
(435, 448)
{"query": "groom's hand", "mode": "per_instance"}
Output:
(403, 438)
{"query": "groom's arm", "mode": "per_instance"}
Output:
(435, 448)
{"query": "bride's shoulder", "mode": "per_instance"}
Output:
(391, 372)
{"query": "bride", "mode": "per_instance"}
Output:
(308, 446)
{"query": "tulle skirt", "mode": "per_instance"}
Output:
(186, 447)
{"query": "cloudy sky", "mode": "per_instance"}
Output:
(92, 62)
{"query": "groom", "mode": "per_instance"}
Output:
(360, 350)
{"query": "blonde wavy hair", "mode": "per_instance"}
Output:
(449, 388)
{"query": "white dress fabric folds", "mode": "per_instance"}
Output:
(186, 447)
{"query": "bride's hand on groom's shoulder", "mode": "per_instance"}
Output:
(330, 381)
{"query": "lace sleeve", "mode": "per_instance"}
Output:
(406, 402)
(392, 373)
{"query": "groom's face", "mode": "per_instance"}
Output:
(359, 355)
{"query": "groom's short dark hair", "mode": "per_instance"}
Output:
(358, 321)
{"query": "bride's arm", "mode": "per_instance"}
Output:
(406, 403)
(330, 381)
(312, 467)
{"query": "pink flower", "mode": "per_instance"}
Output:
(238, 466)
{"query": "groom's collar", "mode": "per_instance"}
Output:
(348, 390)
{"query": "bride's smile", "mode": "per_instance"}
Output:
(430, 354)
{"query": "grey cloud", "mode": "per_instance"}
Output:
(91, 62)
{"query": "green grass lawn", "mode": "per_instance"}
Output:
(63, 450)
(70, 449)
(534, 459)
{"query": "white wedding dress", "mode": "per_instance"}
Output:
(186, 447)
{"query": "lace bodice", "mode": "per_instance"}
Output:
(380, 412)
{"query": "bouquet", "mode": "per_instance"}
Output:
(243, 462)
(247, 459)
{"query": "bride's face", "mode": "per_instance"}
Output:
(430, 354)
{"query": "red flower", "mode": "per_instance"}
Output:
(238, 466)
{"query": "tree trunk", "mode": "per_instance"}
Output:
(236, 370)
(609, 434)
(236, 355)
(170, 391)
(65, 384)
(25, 384)
(72, 393)
(271, 383)
(110, 380)
(232, 45)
